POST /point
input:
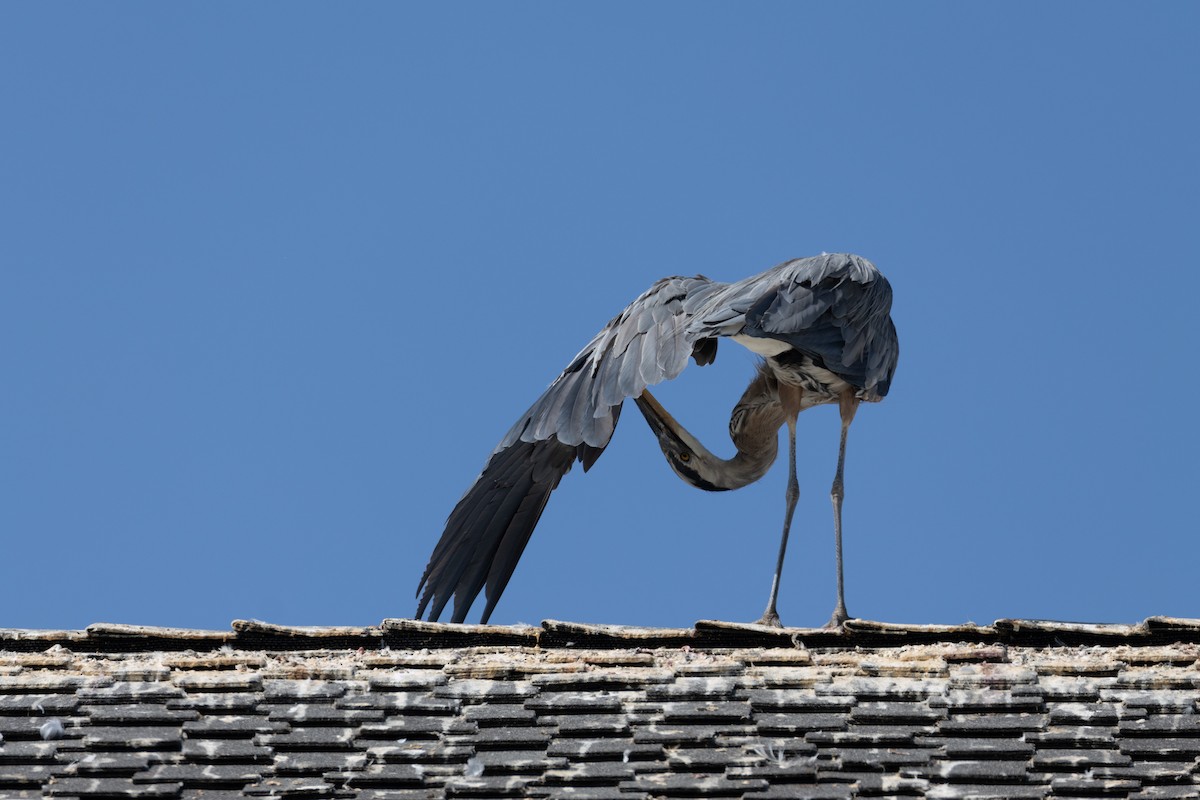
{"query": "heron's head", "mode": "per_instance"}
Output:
(686, 456)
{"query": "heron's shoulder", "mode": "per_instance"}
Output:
(815, 270)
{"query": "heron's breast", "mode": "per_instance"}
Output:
(819, 384)
(761, 345)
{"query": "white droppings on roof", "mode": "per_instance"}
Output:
(74, 765)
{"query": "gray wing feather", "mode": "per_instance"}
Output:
(486, 533)
(648, 342)
(488, 530)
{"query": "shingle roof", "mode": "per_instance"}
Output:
(417, 710)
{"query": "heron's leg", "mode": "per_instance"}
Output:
(789, 397)
(847, 405)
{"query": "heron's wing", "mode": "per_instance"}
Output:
(648, 342)
(834, 308)
(488, 529)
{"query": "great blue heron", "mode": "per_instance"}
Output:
(824, 328)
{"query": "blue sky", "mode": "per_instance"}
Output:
(275, 279)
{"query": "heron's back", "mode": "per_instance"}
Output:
(824, 323)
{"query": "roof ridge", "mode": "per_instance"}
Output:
(259, 635)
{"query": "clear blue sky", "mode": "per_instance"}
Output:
(275, 279)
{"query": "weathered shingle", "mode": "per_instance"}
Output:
(588, 724)
(196, 774)
(231, 726)
(109, 787)
(770, 723)
(200, 749)
(15, 704)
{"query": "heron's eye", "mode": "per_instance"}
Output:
(685, 456)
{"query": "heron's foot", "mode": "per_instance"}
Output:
(770, 618)
(838, 619)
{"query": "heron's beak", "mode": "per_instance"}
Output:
(660, 421)
(685, 455)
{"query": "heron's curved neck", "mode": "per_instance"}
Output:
(744, 468)
(753, 427)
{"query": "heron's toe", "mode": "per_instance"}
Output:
(770, 618)
(837, 620)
